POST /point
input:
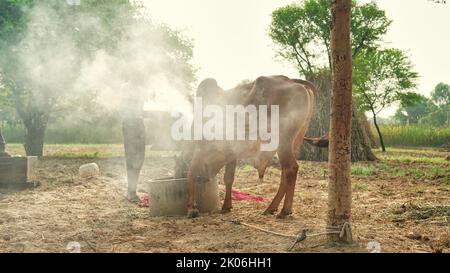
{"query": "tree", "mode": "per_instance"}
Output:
(441, 96)
(40, 60)
(412, 112)
(46, 45)
(301, 33)
(339, 185)
(438, 117)
(382, 77)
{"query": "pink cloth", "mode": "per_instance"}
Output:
(242, 196)
(144, 201)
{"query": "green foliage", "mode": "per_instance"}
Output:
(432, 112)
(75, 133)
(302, 32)
(12, 20)
(381, 77)
(360, 170)
(415, 135)
(360, 187)
(439, 117)
(412, 112)
(441, 94)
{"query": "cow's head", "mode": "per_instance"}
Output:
(209, 91)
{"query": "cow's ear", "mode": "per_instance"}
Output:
(208, 89)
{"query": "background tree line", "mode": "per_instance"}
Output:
(44, 46)
(382, 76)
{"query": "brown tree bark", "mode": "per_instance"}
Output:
(380, 136)
(3, 152)
(35, 127)
(339, 185)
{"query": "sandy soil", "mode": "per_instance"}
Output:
(402, 214)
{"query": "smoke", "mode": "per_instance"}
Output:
(123, 65)
(46, 59)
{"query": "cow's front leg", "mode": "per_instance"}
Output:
(228, 179)
(192, 208)
(134, 143)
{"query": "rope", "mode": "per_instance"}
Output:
(344, 230)
(238, 222)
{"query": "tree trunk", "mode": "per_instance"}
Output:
(320, 124)
(3, 152)
(339, 187)
(34, 135)
(383, 148)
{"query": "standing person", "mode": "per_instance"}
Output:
(133, 131)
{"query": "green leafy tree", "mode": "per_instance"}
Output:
(441, 94)
(411, 112)
(382, 77)
(301, 33)
(436, 118)
(45, 44)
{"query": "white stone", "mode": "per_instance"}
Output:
(90, 170)
(73, 247)
(374, 247)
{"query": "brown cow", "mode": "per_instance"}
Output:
(295, 99)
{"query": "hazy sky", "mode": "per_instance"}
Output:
(231, 41)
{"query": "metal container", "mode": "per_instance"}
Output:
(18, 171)
(168, 196)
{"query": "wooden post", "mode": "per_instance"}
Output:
(339, 186)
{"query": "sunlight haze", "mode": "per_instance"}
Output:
(231, 42)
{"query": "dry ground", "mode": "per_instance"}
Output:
(401, 201)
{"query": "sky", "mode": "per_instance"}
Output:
(231, 42)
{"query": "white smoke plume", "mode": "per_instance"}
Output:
(143, 68)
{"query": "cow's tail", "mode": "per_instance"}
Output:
(323, 141)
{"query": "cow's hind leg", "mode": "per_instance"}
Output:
(290, 169)
(228, 178)
(273, 207)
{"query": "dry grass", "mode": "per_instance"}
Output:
(404, 214)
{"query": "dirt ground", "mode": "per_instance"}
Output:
(401, 212)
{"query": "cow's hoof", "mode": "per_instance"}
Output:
(225, 210)
(192, 213)
(132, 197)
(283, 215)
(269, 211)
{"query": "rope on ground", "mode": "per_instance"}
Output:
(344, 230)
